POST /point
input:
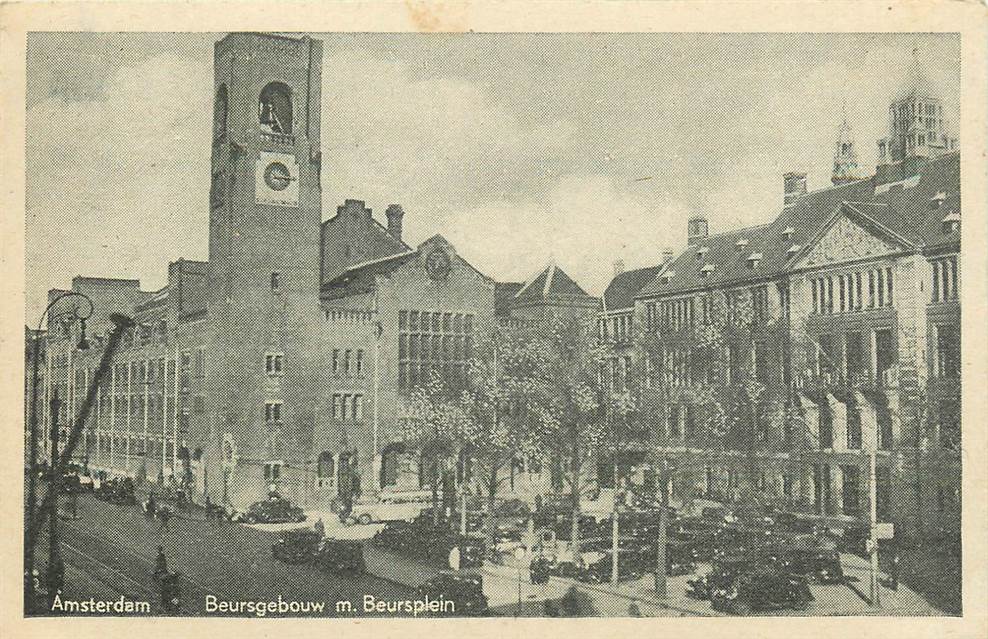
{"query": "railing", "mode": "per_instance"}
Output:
(280, 138)
(348, 316)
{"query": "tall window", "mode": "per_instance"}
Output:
(273, 363)
(761, 364)
(948, 350)
(945, 280)
(272, 412)
(434, 343)
(759, 304)
(275, 282)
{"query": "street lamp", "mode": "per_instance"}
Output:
(33, 419)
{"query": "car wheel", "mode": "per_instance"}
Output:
(365, 519)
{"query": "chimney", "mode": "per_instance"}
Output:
(394, 215)
(793, 186)
(667, 256)
(618, 267)
(697, 230)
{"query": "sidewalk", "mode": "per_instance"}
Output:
(505, 585)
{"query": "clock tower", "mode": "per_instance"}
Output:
(263, 274)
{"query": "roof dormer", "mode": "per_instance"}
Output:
(754, 260)
(702, 252)
(788, 233)
(937, 200)
(742, 244)
(952, 222)
(667, 276)
(706, 270)
(792, 250)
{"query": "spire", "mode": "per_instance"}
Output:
(916, 84)
(845, 157)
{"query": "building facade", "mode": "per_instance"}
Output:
(775, 358)
(285, 362)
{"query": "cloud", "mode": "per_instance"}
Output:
(433, 144)
(118, 184)
(581, 222)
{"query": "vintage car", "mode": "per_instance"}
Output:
(118, 491)
(396, 507)
(597, 567)
(816, 558)
(276, 510)
(679, 555)
(395, 536)
(471, 551)
(296, 546)
(465, 590)
(340, 557)
(763, 587)
(721, 574)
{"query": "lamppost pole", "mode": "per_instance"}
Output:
(55, 572)
(32, 498)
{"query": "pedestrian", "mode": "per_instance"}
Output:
(152, 506)
(454, 558)
(320, 528)
(164, 514)
(634, 610)
(160, 563)
(894, 570)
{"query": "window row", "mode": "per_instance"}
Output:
(435, 322)
(415, 374)
(348, 407)
(852, 291)
(616, 373)
(945, 284)
(616, 328)
(435, 348)
(348, 361)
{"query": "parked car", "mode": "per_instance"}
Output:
(815, 558)
(597, 567)
(762, 588)
(389, 508)
(721, 575)
(276, 510)
(341, 557)
(465, 590)
(296, 546)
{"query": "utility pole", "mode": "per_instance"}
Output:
(660, 544)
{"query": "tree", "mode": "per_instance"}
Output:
(552, 372)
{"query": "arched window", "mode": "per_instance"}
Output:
(327, 465)
(220, 110)
(274, 110)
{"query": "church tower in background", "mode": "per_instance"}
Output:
(845, 157)
(917, 127)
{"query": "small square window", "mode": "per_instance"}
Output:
(275, 282)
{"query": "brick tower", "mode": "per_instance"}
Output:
(263, 274)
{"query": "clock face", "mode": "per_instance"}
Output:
(437, 264)
(277, 176)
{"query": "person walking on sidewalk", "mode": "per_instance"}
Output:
(320, 528)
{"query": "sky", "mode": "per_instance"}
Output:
(520, 149)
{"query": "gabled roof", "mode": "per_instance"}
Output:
(359, 278)
(620, 293)
(903, 209)
(551, 281)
